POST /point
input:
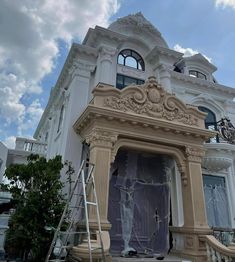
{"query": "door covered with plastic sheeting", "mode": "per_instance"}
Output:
(139, 203)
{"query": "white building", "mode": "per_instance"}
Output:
(130, 51)
(3, 159)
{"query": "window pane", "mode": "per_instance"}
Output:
(126, 52)
(123, 81)
(202, 76)
(210, 118)
(136, 56)
(214, 180)
(141, 65)
(140, 82)
(130, 61)
(210, 122)
(61, 117)
(193, 73)
(131, 58)
(119, 83)
(216, 200)
(120, 60)
(129, 80)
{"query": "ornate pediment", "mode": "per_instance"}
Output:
(138, 25)
(149, 99)
(137, 20)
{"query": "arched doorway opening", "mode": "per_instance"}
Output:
(139, 202)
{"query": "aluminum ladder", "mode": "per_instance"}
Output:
(85, 184)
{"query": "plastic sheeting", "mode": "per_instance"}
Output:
(139, 203)
(217, 206)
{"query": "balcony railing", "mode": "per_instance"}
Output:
(31, 145)
(224, 235)
(216, 251)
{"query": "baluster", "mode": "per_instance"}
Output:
(213, 255)
(219, 259)
(208, 253)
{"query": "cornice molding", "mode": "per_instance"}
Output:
(94, 113)
(158, 50)
(199, 59)
(92, 36)
(204, 83)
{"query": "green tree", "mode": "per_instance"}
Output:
(37, 192)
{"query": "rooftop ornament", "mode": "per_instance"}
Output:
(226, 130)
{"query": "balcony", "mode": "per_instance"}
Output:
(31, 145)
(219, 156)
(23, 148)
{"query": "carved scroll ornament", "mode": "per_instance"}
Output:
(152, 100)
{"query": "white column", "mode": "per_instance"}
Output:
(164, 77)
(78, 99)
(106, 65)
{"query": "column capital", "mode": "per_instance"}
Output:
(101, 138)
(82, 68)
(164, 68)
(107, 52)
(194, 154)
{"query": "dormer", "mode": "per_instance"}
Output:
(196, 66)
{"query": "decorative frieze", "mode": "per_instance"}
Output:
(152, 100)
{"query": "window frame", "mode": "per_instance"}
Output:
(120, 87)
(140, 65)
(61, 118)
(208, 124)
(197, 74)
(228, 190)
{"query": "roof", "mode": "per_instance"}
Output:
(137, 24)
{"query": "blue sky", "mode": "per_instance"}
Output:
(34, 45)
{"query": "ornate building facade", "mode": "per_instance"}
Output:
(148, 116)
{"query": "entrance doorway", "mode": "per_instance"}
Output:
(139, 203)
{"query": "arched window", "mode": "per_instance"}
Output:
(197, 74)
(210, 122)
(61, 117)
(130, 58)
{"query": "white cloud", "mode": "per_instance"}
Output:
(225, 3)
(10, 142)
(189, 51)
(31, 117)
(29, 46)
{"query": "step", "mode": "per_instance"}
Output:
(168, 258)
